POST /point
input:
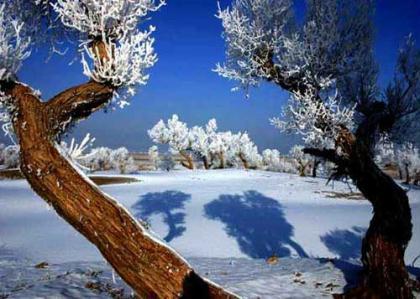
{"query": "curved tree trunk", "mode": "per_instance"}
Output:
(388, 235)
(390, 230)
(188, 163)
(151, 268)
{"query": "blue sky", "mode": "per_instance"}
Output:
(189, 45)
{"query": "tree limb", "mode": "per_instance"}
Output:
(75, 104)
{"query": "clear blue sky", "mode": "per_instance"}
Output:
(189, 45)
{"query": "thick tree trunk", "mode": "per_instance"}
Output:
(388, 235)
(390, 230)
(151, 268)
(188, 163)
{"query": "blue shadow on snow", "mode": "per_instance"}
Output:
(257, 222)
(346, 244)
(165, 203)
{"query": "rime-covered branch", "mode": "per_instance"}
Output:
(118, 53)
(14, 47)
(75, 104)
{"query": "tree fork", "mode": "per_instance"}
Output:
(151, 268)
(188, 163)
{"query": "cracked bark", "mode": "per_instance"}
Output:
(152, 269)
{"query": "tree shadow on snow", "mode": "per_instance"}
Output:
(257, 222)
(347, 244)
(165, 203)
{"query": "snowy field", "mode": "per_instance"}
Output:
(219, 220)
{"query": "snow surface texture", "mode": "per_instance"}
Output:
(291, 278)
(219, 220)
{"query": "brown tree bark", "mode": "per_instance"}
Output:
(188, 163)
(151, 268)
(222, 160)
(206, 163)
(244, 161)
(390, 230)
(302, 168)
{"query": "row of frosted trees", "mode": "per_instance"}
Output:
(217, 150)
(83, 155)
(325, 62)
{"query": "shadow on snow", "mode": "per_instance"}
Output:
(165, 203)
(257, 222)
(346, 244)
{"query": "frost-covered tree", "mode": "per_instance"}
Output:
(167, 162)
(9, 156)
(116, 55)
(243, 148)
(327, 65)
(122, 161)
(273, 161)
(385, 152)
(99, 159)
(201, 140)
(177, 135)
(208, 144)
(302, 160)
(219, 147)
(408, 159)
(153, 154)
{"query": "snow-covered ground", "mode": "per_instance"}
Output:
(218, 219)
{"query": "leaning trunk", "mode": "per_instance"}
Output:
(188, 163)
(151, 268)
(390, 229)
